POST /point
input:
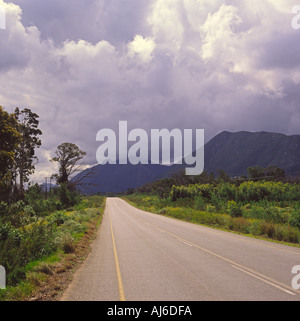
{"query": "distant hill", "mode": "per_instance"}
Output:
(119, 178)
(232, 152)
(235, 152)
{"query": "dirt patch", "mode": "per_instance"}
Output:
(62, 273)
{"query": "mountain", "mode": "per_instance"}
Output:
(232, 152)
(235, 152)
(118, 178)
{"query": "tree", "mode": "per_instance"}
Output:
(25, 154)
(9, 141)
(67, 155)
(256, 172)
(223, 176)
(275, 172)
(271, 173)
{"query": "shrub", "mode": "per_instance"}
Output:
(199, 203)
(294, 219)
(255, 228)
(239, 224)
(66, 243)
(68, 198)
(3, 209)
(268, 228)
(19, 247)
(74, 227)
(257, 212)
(211, 208)
(233, 209)
(58, 218)
(216, 201)
(226, 191)
(7, 231)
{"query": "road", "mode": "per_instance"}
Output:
(139, 256)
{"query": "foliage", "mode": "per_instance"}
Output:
(246, 192)
(233, 209)
(261, 208)
(25, 153)
(67, 198)
(271, 172)
(67, 156)
(36, 235)
(294, 219)
(199, 203)
(9, 141)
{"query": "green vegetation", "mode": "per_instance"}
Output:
(19, 137)
(262, 208)
(33, 236)
(67, 156)
(37, 225)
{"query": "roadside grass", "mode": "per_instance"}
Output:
(72, 230)
(186, 209)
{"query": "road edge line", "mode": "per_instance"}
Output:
(119, 276)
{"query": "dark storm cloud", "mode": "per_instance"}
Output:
(282, 51)
(91, 20)
(85, 65)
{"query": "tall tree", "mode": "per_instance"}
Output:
(9, 140)
(25, 154)
(68, 156)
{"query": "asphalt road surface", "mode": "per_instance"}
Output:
(139, 256)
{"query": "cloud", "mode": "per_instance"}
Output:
(142, 48)
(85, 65)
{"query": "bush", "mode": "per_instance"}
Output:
(68, 198)
(19, 247)
(199, 203)
(294, 219)
(239, 224)
(3, 209)
(216, 201)
(65, 242)
(9, 232)
(255, 228)
(268, 228)
(74, 227)
(58, 218)
(233, 209)
(272, 214)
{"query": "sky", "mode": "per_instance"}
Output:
(85, 65)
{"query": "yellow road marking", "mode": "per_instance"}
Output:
(119, 276)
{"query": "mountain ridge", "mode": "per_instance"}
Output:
(235, 152)
(232, 152)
